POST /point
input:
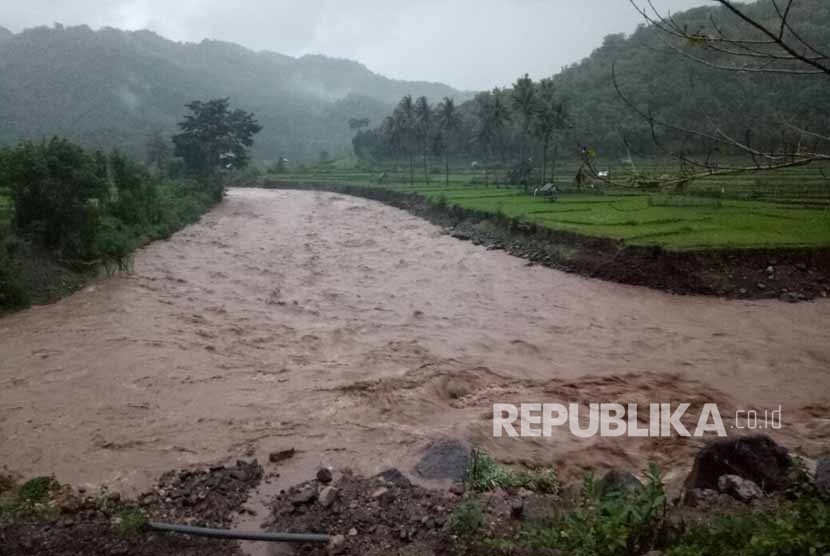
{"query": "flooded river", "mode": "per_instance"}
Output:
(357, 334)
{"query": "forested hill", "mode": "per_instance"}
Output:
(113, 88)
(656, 76)
(689, 94)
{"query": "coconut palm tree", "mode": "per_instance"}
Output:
(449, 122)
(405, 124)
(523, 99)
(551, 116)
(423, 130)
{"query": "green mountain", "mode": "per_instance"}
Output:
(112, 88)
(691, 95)
(754, 108)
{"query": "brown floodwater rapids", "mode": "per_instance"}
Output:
(358, 334)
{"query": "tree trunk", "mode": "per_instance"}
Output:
(545, 159)
(447, 162)
(553, 164)
(426, 166)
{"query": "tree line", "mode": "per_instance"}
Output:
(521, 127)
(83, 209)
(607, 104)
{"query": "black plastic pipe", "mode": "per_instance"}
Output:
(239, 535)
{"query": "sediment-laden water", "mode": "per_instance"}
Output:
(357, 334)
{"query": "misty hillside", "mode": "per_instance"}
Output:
(689, 94)
(750, 106)
(112, 88)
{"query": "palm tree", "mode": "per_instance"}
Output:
(405, 123)
(524, 101)
(499, 118)
(449, 121)
(493, 115)
(423, 129)
(551, 116)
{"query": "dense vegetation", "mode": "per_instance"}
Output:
(111, 87)
(526, 128)
(65, 210)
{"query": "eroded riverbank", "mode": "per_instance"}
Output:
(357, 333)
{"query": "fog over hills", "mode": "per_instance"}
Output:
(112, 88)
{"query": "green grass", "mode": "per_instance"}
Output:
(636, 221)
(485, 474)
(715, 213)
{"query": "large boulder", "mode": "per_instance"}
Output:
(616, 481)
(756, 458)
(739, 488)
(444, 459)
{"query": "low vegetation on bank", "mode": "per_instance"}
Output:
(66, 212)
(69, 212)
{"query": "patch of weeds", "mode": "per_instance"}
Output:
(130, 522)
(465, 523)
(621, 523)
(485, 474)
(801, 527)
(32, 497)
(36, 491)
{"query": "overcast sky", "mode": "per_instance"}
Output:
(470, 44)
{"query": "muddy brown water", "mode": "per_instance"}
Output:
(357, 334)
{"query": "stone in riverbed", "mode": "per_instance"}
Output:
(741, 489)
(305, 496)
(444, 459)
(324, 475)
(756, 458)
(327, 496)
(282, 455)
(618, 481)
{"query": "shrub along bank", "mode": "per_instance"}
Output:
(65, 213)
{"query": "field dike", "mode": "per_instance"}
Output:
(789, 274)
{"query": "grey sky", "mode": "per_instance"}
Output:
(470, 44)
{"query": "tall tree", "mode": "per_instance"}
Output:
(159, 151)
(405, 130)
(214, 137)
(449, 122)
(499, 116)
(523, 99)
(550, 117)
(423, 128)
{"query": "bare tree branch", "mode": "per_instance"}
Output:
(777, 47)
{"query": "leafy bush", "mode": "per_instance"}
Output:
(625, 522)
(57, 190)
(485, 474)
(465, 524)
(798, 528)
(87, 209)
(13, 292)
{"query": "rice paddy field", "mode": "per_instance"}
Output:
(788, 208)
